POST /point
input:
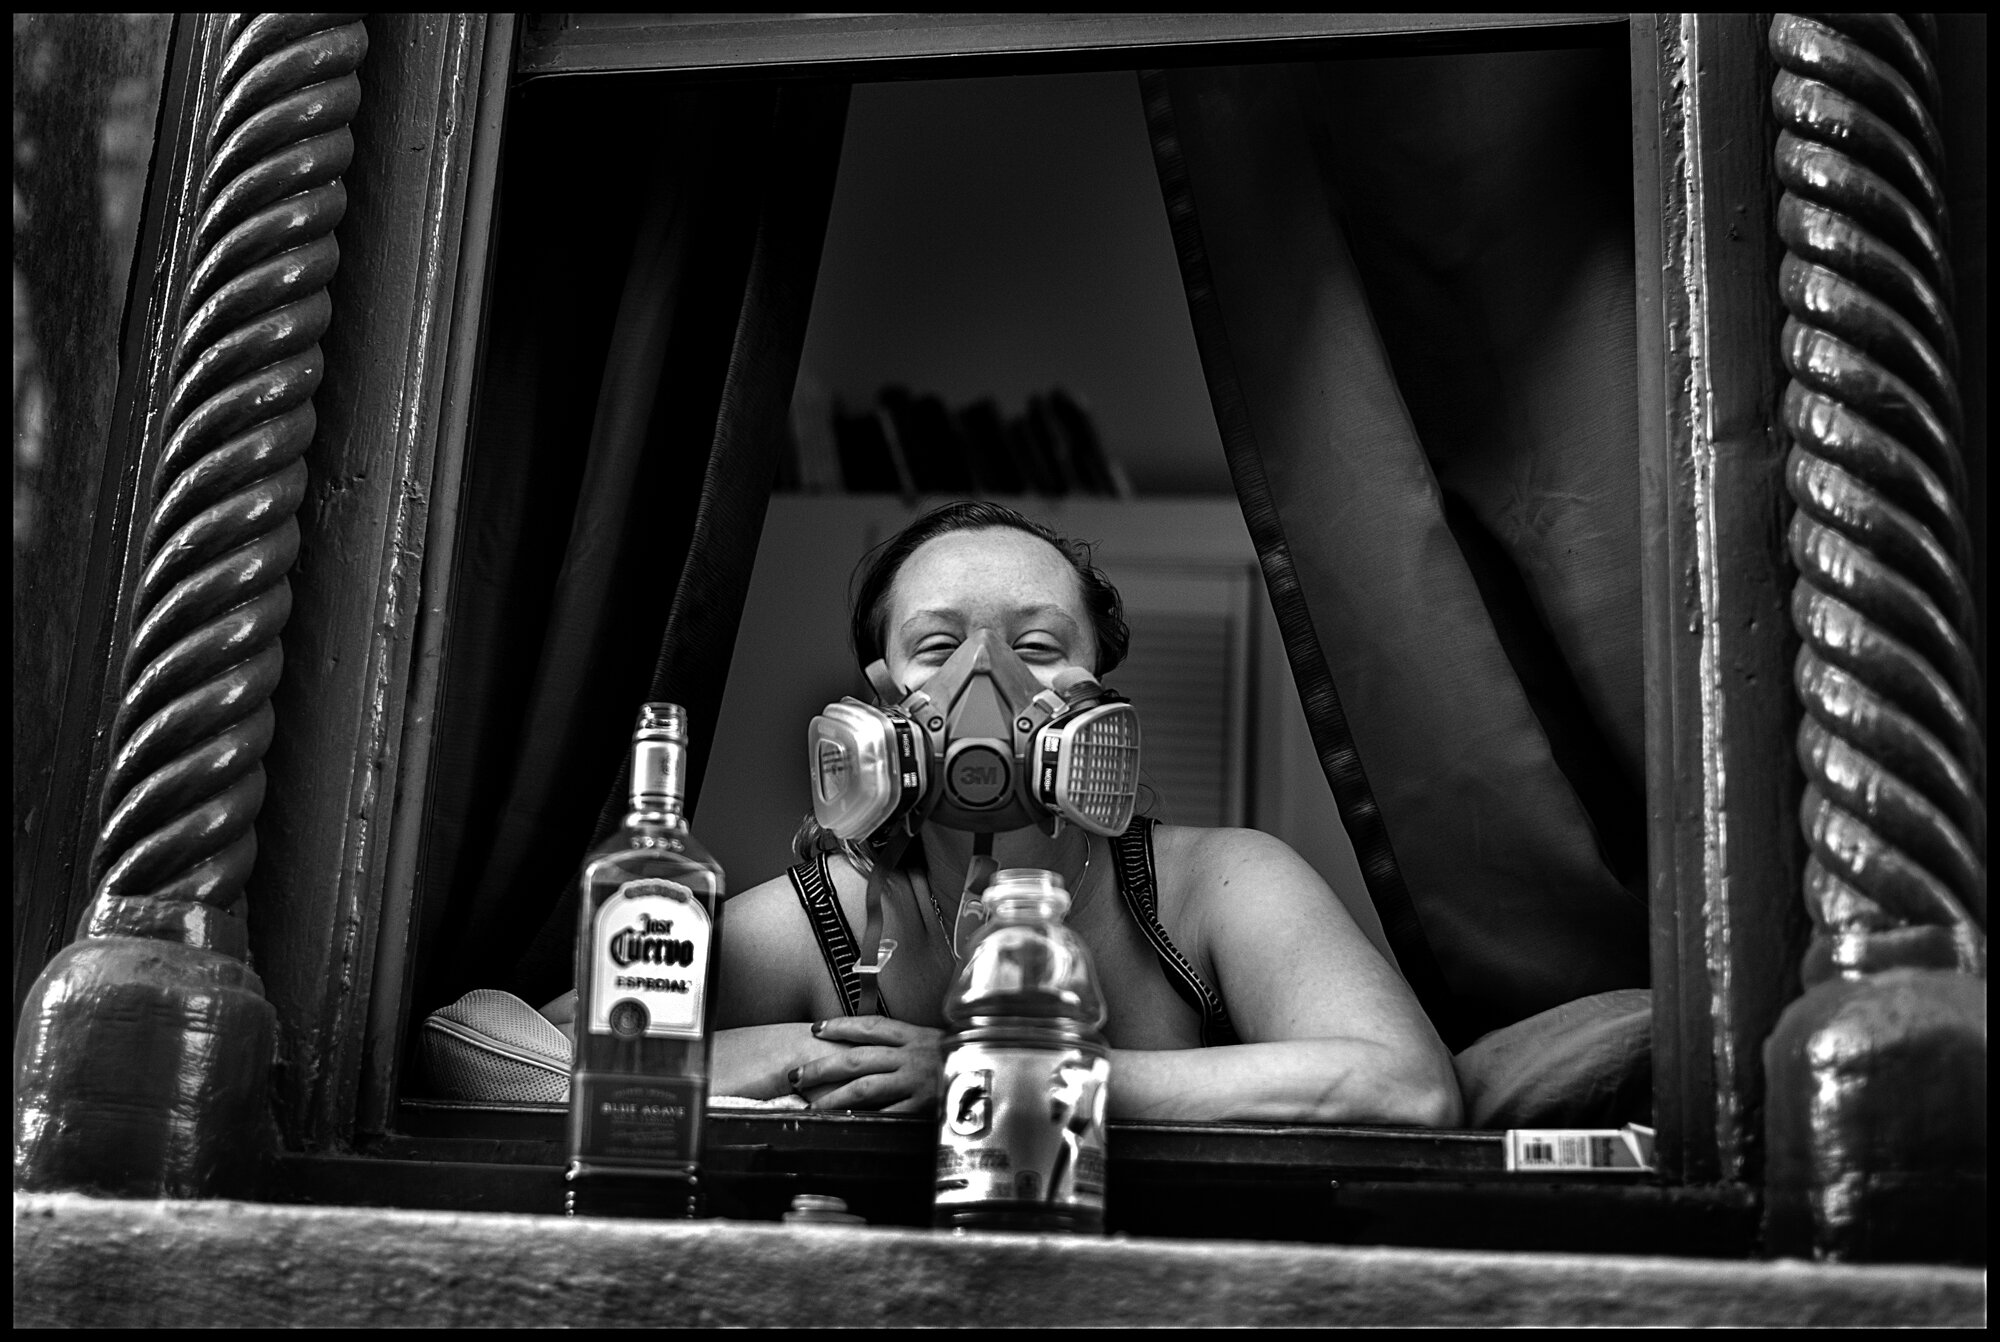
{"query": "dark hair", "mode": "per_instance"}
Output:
(869, 605)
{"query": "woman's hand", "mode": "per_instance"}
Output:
(885, 1065)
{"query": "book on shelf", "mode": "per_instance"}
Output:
(1087, 457)
(1052, 443)
(929, 441)
(983, 432)
(914, 445)
(785, 477)
(814, 467)
(1031, 455)
(899, 457)
(867, 463)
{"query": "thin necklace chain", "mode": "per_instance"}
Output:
(930, 888)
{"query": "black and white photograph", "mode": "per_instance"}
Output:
(984, 670)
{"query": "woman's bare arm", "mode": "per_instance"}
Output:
(1331, 1033)
(757, 1060)
(1282, 1081)
(764, 1014)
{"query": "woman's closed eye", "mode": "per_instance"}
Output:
(1039, 649)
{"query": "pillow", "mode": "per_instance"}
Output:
(492, 1047)
(1584, 1064)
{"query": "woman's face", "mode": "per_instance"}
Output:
(1012, 584)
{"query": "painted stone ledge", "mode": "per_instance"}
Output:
(103, 1263)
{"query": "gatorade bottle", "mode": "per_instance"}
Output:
(1021, 1128)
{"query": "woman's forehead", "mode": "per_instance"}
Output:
(993, 564)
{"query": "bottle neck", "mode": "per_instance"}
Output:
(1037, 907)
(653, 820)
(659, 784)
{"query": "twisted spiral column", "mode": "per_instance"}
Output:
(1868, 1069)
(142, 1059)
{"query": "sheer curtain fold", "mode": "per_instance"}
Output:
(655, 266)
(1425, 389)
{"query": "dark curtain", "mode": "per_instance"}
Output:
(657, 250)
(1412, 289)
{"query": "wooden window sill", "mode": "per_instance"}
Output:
(89, 1262)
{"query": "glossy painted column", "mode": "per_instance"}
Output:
(1876, 1120)
(142, 1058)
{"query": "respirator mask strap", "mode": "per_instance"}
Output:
(873, 956)
(971, 913)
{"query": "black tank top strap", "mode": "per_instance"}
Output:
(1137, 882)
(814, 884)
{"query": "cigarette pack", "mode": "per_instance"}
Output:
(1626, 1150)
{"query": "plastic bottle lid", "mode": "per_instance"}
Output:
(821, 1209)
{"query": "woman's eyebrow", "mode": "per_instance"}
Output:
(1046, 612)
(944, 614)
(952, 617)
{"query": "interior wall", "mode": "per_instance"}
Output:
(999, 237)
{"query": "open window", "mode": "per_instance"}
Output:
(1470, 360)
(1254, 126)
(562, 159)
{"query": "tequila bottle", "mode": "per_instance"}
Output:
(646, 951)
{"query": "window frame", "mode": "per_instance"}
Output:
(52, 897)
(1707, 1044)
(332, 906)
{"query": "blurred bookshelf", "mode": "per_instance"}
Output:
(912, 443)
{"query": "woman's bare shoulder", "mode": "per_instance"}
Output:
(1191, 863)
(1198, 853)
(771, 917)
(771, 965)
(764, 904)
(1208, 872)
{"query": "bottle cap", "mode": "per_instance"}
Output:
(821, 1209)
(665, 719)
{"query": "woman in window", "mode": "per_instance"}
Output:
(1238, 985)
(1237, 945)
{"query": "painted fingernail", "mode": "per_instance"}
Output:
(793, 1077)
(818, 1025)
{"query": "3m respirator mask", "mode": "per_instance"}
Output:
(982, 746)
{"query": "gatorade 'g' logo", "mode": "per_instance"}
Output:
(968, 1105)
(977, 774)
